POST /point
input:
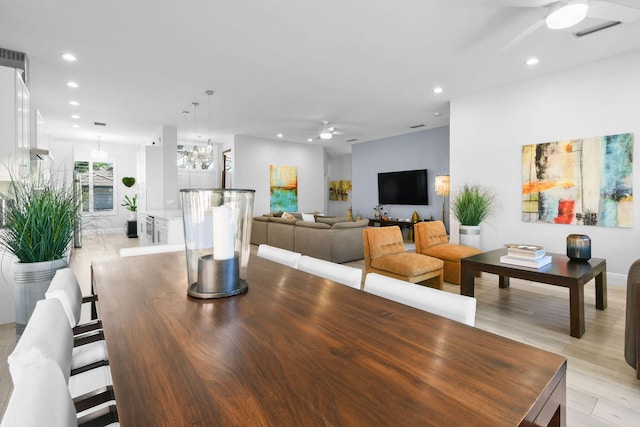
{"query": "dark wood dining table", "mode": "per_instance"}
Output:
(299, 350)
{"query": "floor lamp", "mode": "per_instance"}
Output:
(442, 189)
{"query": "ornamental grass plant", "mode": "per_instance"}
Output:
(472, 204)
(40, 222)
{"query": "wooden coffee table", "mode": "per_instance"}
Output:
(561, 272)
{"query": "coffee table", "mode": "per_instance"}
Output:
(560, 272)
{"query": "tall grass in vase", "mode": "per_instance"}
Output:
(472, 204)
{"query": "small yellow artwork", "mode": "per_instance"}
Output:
(339, 190)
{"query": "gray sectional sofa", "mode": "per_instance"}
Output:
(330, 238)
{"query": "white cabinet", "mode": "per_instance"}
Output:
(15, 111)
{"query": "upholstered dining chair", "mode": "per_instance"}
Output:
(40, 397)
(48, 335)
(279, 255)
(431, 239)
(631, 329)
(456, 307)
(384, 253)
(342, 274)
(89, 349)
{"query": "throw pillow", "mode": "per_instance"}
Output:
(308, 217)
(287, 215)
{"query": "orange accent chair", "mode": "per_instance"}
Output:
(384, 253)
(431, 239)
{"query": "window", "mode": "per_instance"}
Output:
(96, 183)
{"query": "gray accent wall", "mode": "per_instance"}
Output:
(428, 149)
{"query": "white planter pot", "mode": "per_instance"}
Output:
(470, 235)
(133, 215)
(32, 281)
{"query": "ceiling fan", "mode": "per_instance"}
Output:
(568, 13)
(328, 131)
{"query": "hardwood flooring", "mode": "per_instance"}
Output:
(602, 389)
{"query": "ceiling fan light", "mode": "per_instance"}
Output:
(325, 135)
(567, 15)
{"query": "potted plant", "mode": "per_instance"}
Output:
(39, 231)
(471, 205)
(130, 203)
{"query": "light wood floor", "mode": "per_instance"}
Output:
(601, 387)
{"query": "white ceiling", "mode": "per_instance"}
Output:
(281, 66)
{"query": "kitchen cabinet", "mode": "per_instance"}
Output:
(15, 112)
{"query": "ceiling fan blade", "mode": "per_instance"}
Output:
(612, 11)
(523, 34)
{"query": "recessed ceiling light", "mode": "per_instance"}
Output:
(437, 90)
(75, 116)
(280, 135)
(72, 84)
(75, 126)
(310, 140)
(74, 103)
(437, 114)
(69, 57)
(532, 61)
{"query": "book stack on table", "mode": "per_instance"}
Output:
(526, 256)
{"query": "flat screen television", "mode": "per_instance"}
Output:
(403, 188)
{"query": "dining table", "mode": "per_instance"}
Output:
(299, 350)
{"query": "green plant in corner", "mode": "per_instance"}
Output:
(472, 204)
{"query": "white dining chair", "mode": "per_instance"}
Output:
(452, 306)
(89, 349)
(279, 255)
(48, 335)
(342, 274)
(150, 249)
(41, 398)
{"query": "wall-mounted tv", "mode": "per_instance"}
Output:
(403, 188)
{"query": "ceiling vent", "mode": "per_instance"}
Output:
(597, 28)
(416, 126)
(352, 140)
(99, 124)
(17, 60)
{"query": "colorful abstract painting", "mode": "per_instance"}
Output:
(339, 190)
(587, 181)
(283, 188)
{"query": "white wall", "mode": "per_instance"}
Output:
(489, 129)
(253, 156)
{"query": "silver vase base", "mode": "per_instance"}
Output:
(193, 291)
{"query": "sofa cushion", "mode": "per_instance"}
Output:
(263, 218)
(330, 219)
(407, 264)
(312, 224)
(356, 224)
(284, 220)
(287, 215)
(309, 217)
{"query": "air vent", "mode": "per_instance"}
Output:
(99, 124)
(597, 28)
(18, 60)
(416, 126)
(352, 140)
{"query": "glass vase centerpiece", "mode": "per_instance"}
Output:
(217, 230)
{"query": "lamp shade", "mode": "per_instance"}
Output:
(442, 185)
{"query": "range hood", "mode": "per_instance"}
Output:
(39, 154)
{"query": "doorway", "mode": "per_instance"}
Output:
(226, 169)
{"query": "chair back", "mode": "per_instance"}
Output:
(150, 249)
(40, 398)
(456, 307)
(381, 241)
(342, 274)
(631, 330)
(47, 335)
(279, 255)
(429, 233)
(65, 287)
